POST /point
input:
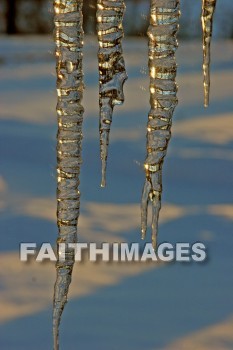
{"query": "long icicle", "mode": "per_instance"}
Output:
(69, 43)
(162, 33)
(112, 73)
(208, 8)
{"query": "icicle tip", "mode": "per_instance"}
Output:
(143, 234)
(103, 179)
(154, 242)
(206, 99)
(103, 183)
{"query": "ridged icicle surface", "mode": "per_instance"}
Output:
(112, 73)
(69, 42)
(208, 8)
(162, 33)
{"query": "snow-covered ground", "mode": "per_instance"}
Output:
(130, 306)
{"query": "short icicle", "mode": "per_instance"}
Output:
(208, 9)
(69, 43)
(162, 33)
(112, 73)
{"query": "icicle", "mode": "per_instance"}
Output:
(208, 8)
(69, 43)
(112, 73)
(164, 18)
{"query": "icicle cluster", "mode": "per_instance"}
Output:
(69, 42)
(162, 32)
(208, 8)
(112, 73)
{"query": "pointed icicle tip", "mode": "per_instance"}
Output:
(154, 242)
(206, 71)
(55, 340)
(206, 96)
(143, 234)
(144, 208)
(56, 323)
(104, 142)
(103, 179)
